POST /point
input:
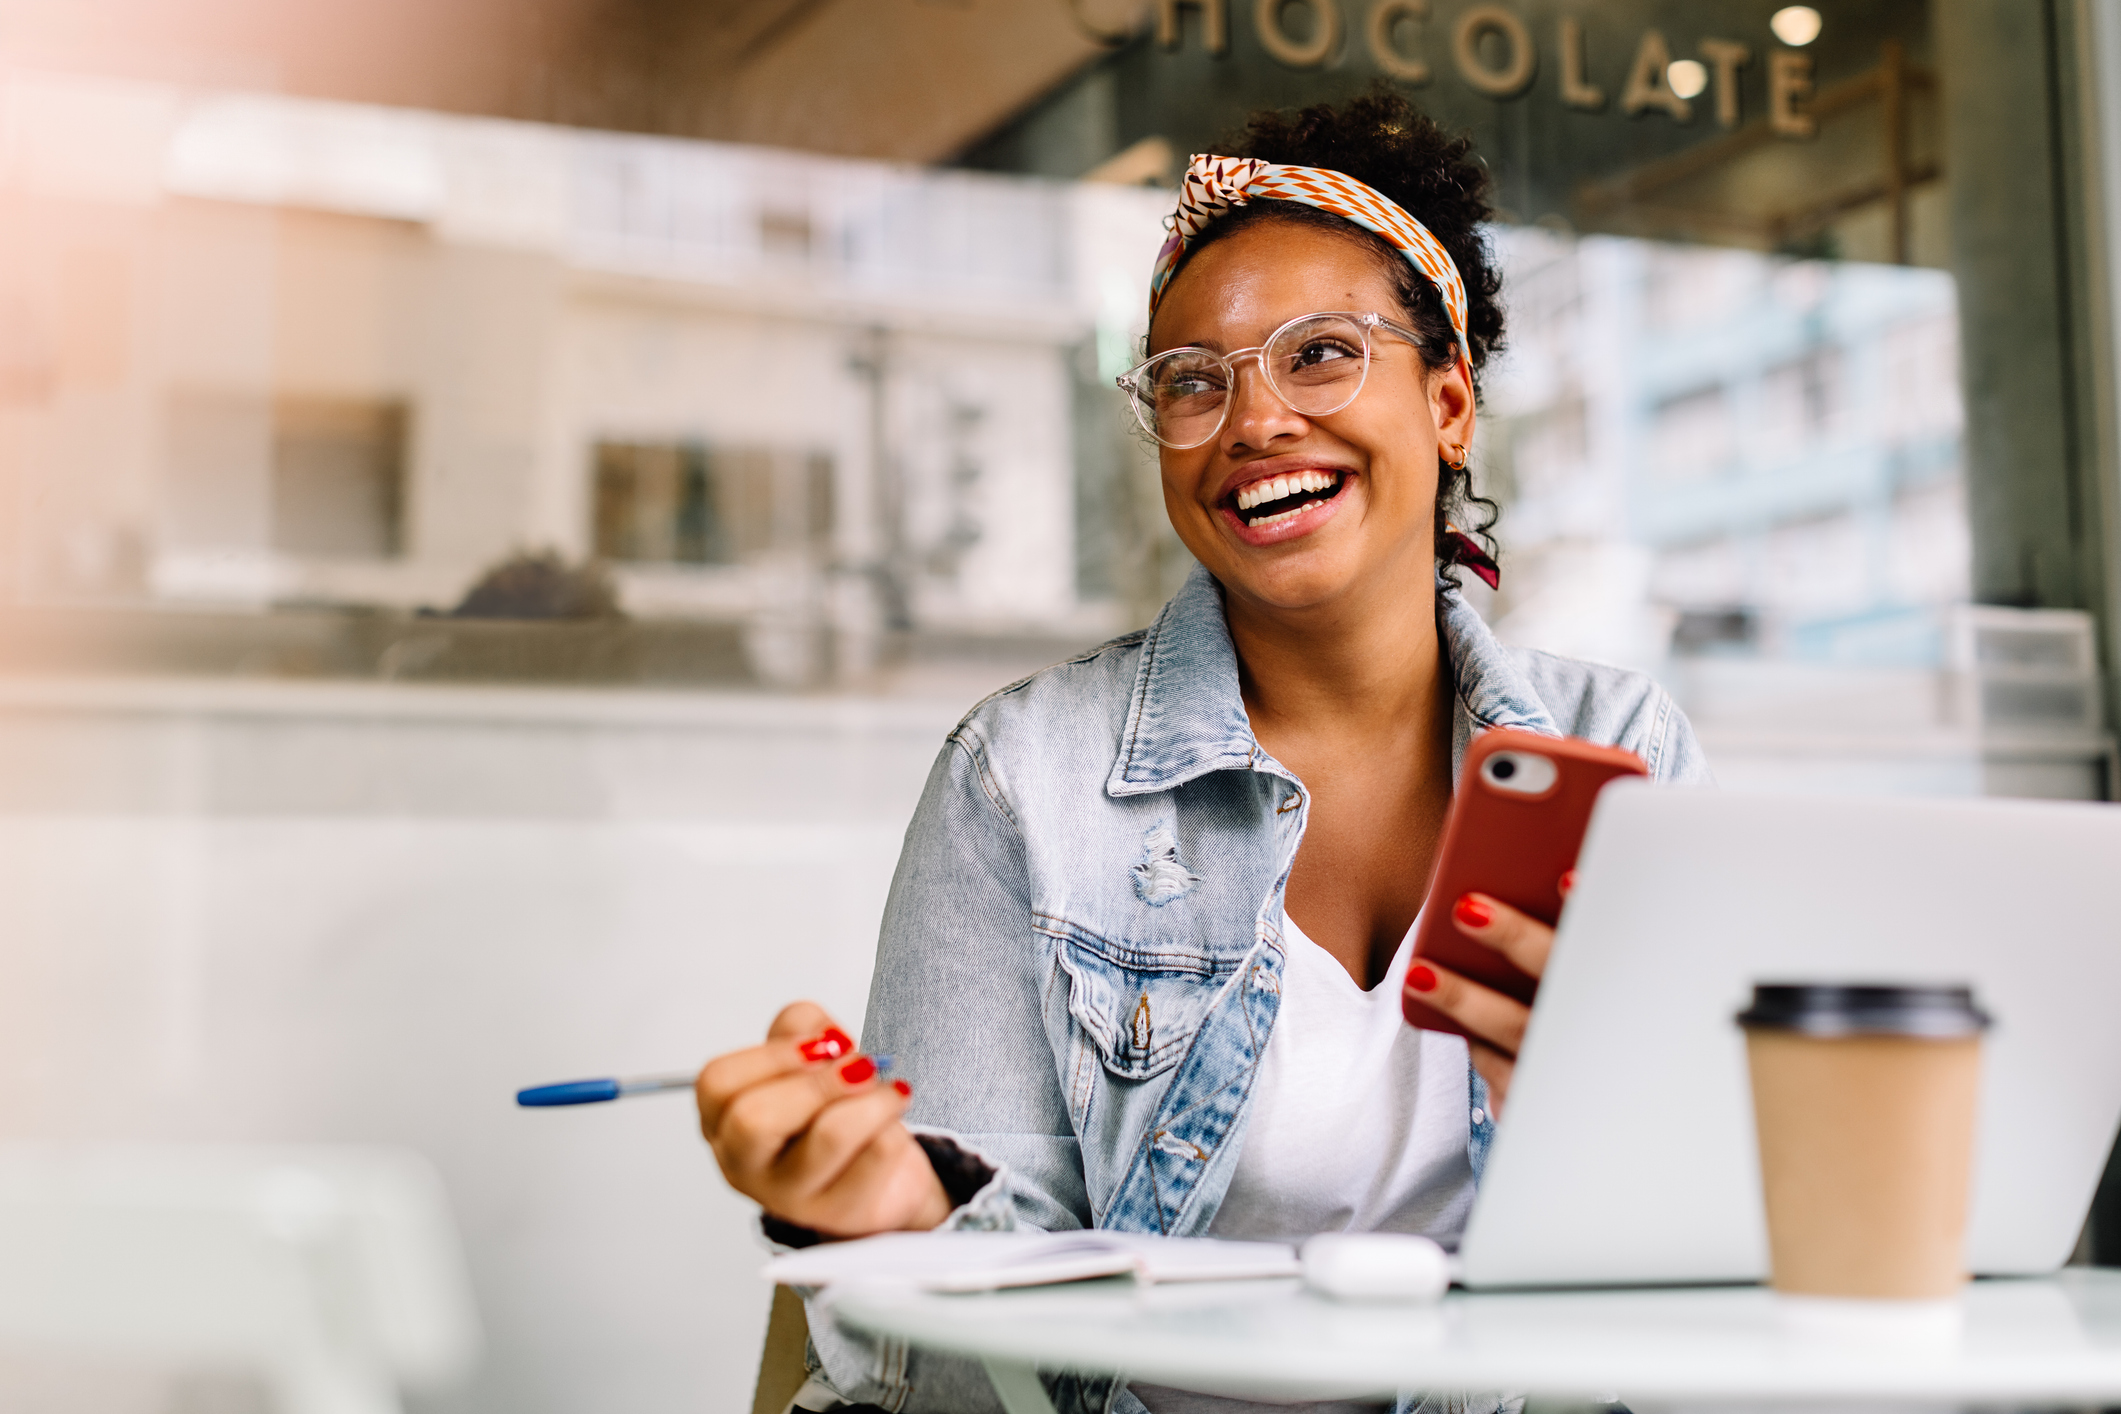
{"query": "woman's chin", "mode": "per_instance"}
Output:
(1314, 576)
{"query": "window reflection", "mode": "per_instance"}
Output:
(1771, 456)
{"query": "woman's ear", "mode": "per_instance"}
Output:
(1451, 404)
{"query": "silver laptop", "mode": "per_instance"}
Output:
(1626, 1150)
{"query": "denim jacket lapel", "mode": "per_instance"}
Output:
(1492, 691)
(1186, 717)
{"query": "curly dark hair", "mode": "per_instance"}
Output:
(1383, 141)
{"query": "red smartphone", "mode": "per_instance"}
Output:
(1516, 824)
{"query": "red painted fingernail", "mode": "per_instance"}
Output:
(858, 1071)
(905, 1091)
(830, 1046)
(1472, 912)
(1421, 979)
(1568, 882)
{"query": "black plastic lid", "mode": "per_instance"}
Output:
(1847, 1009)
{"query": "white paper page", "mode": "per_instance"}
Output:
(987, 1261)
(1204, 1258)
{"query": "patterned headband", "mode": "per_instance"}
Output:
(1215, 184)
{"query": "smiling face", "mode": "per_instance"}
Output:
(1293, 513)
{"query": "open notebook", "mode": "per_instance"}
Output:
(989, 1261)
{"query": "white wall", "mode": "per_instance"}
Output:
(305, 914)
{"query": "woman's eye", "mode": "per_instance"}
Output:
(1186, 385)
(1322, 351)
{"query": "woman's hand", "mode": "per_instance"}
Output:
(807, 1129)
(1496, 1021)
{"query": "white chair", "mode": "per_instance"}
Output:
(334, 1274)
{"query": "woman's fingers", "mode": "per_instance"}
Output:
(1521, 938)
(889, 1185)
(1487, 1013)
(798, 1021)
(841, 1131)
(845, 1167)
(759, 1122)
(1496, 1021)
(803, 1036)
(806, 1127)
(724, 1078)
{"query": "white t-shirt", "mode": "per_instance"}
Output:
(1359, 1124)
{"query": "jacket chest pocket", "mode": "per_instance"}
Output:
(1140, 1009)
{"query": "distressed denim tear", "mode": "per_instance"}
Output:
(1159, 878)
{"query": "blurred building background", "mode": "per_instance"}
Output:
(1745, 474)
(500, 503)
(329, 363)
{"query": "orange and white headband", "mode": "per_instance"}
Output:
(1213, 185)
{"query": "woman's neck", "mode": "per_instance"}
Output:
(1368, 667)
(1356, 702)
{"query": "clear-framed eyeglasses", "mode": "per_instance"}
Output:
(1316, 363)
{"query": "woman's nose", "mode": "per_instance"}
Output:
(1257, 413)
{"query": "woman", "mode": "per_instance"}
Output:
(1141, 961)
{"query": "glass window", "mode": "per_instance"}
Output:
(338, 469)
(683, 503)
(1809, 494)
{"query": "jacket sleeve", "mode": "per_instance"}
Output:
(1680, 759)
(957, 1000)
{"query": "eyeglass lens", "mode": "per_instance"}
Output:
(1315, 365)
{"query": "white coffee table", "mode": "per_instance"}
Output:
(2050, 1341)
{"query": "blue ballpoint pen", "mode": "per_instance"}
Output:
(590, 1092)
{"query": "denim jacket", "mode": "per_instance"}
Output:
(1082, 953)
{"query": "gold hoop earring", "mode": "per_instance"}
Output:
(1456, 457)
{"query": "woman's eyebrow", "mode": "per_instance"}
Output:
(1212, 345)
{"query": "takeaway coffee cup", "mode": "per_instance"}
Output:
(1863, 1097)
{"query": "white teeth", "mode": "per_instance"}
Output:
(1261, 492)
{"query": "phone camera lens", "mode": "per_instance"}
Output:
(1502, 768)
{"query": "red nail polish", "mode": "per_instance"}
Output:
(1568, 882)
(1472, 912)
(905, 1091)
(830, 1046)
(859, 1071)
(1421, 979)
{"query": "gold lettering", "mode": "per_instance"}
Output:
(1310, 53)
(1576, 91)
(1726, 57)
(1215, 23)
(1475, 25)
(1647, 86)
(1789, 78)
(1385, 15)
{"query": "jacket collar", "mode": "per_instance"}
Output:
(1187, 717)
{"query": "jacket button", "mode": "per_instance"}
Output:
(1480, 1116)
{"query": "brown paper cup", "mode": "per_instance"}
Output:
(1864, 1098)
